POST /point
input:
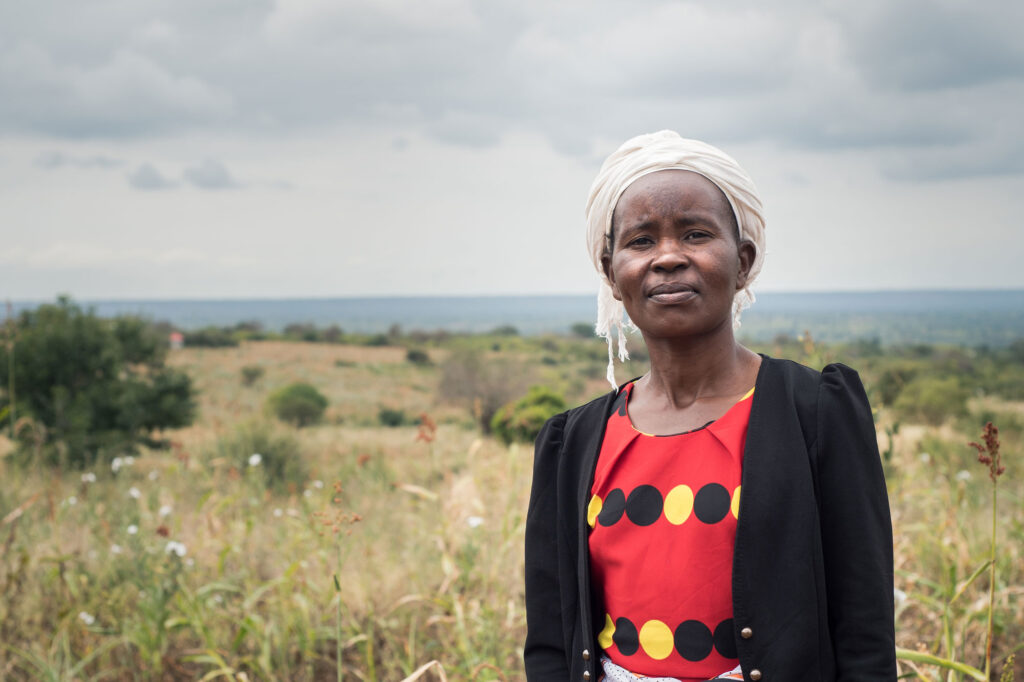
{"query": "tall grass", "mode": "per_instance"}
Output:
(197, 564)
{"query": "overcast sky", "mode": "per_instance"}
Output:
(257, 148)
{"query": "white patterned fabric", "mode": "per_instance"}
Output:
(644, 154)
(616, 673)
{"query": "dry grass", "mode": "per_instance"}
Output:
(431, 571)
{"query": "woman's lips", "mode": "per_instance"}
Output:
(671, 293)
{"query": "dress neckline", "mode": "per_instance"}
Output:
(629, 392)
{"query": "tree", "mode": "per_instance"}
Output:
(299, 404)
(98, 387)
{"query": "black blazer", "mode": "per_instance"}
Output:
(812, 567)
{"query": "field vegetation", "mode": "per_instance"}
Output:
(387, 533)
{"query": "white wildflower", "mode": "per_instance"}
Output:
(318, 484)
(154, 474)
(307, 493)
(133, 529)
(963, 475)
(116, 464)
(129, 460)
(72, 501)
(135, 492)
(925, 457)
(899, 596)
(116, 549)
(255, 459)
(88, 477)
(86, 617)
(165, 510)
(475, 521)
(174, 547)
(278, 513)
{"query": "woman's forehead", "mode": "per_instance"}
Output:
(687, 189)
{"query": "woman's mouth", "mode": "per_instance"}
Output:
(671, 293)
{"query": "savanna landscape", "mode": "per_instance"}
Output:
(376, 532)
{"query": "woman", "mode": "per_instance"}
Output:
(643, 558)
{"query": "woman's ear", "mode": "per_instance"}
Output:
(606, 265)
(746, 252)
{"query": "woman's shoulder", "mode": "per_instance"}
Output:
(801, 377)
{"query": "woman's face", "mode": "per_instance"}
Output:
(675, 260)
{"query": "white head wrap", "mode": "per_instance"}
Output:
(645, 154)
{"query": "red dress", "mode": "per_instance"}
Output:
(663, 525)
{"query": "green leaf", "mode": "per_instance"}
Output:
(921, 657)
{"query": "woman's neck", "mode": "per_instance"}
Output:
(683, 372)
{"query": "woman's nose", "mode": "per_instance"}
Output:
(670, 255)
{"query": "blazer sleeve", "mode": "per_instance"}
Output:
(544, 652)
(856, 531)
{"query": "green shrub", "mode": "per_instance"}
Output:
(932, 400)
(281, 462)
(417, 356)
(523, 419)
(390, 417)
(299, 404)
(251, 374)
(94, 387)
(582, 330)
(210, 337)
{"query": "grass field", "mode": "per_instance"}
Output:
(392, 547)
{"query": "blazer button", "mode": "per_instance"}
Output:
(586, 676)
(755, 674)
(586, 654)
(746, 633)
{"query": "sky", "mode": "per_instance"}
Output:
(323, 148)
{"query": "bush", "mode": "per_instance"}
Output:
(482, 385)
(251, 374)
(417, 356)
(299, 404)
(523, 419)
(932, 400)
(210, 337)
(281, 461)
(95, 387)
(392, 418)
(582, 330)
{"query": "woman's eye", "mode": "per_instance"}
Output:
(640, 241)
(697, 235)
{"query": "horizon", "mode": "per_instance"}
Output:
(369, 297)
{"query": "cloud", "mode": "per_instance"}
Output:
(211, 175)
(127, 93)
(52, 160)
(147, 177)
(908, 78)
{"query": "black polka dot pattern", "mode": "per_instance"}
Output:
(613, 508)
(693, 640)
(643, 507)
(711, 503)
(626, 637)
(725, 642)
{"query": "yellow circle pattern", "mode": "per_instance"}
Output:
(735, 507)
(678, 504)
(604, 638)
(593, 509)
(656, 639)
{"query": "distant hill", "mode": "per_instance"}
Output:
(990, 317)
